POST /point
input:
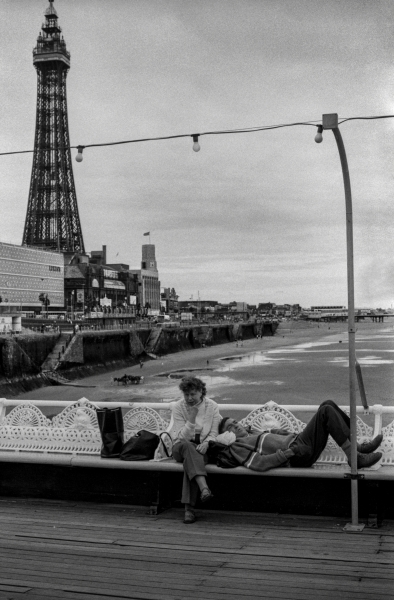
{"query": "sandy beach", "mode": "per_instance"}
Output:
(304, 363)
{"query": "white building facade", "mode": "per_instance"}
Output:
(28, 274)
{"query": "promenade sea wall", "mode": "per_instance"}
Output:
(91, 350)
(21, 358)
(95, 351)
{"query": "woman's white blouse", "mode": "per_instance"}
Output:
(207, 421)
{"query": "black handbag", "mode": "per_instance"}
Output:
(142, 446)
(110, 421)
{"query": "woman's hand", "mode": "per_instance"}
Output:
(192, 412)
(202, 448)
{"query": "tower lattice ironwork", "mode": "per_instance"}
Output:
(52, 218)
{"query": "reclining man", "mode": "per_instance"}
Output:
(261, 451)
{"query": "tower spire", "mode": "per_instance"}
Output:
(52, 218)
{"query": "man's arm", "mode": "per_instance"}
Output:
(268, 430)
(281, 431)
(241, 454)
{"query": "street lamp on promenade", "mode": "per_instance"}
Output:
(330, 121)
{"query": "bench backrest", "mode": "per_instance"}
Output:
(75, 428)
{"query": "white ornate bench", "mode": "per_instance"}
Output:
(24, 428)
(51, 449)
(73, 431)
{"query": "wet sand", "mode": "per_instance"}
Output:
(304, 363)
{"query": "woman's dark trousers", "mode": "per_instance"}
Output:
(193, 464)
(310, 443)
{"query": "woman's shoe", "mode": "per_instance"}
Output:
(206, 495)
(190, 517)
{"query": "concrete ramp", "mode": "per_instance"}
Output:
(52, 360)
(153, 341)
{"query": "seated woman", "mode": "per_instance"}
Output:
(196, 420)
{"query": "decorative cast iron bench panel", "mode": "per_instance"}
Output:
(75, 429)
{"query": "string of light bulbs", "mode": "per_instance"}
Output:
(195, 136)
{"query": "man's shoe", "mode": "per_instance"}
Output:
(368, 447)
(367, 460)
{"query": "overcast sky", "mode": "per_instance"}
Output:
(253, 217)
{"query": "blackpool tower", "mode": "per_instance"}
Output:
(52, 218)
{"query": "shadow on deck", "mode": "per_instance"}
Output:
(76, 550)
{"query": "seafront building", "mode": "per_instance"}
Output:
(169, 302)
(31, 279)
(103, 285)
(318, 313)
(93, 285)
(148, 296)
(37, 280)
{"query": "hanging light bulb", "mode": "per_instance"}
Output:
(79, 157)
(319, 135)
(196, 145)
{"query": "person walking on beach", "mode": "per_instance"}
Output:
(261, 451)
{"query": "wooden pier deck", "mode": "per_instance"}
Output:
(83, 551)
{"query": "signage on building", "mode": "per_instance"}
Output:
(133, 300)
(186, 316)
(81, 296)
(114, 285)
(105, 301)
(110, 274)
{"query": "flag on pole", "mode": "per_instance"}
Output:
(147, 233)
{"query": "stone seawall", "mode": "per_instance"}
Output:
(21, 358)
(92, 352)
(95, 348)
(24, 355)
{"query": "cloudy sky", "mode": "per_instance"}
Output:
(252, 217)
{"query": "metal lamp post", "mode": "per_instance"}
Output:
(72, 304)
(330, 121)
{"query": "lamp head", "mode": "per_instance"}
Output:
(79, 157)
(196, 145)
(319, 135)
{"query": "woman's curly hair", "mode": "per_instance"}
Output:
(191, 384)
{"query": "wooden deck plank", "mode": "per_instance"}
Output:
(144, 580)
(99, 552)
(124, 533)
(219, 555)
(233, 575)
(62, 509)
(133, 538)
(250, 546)
(209, 522)
(196, 553)
(214, 532)
(229, 571)
(350, 594)
(273, 589)
(156, 533)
